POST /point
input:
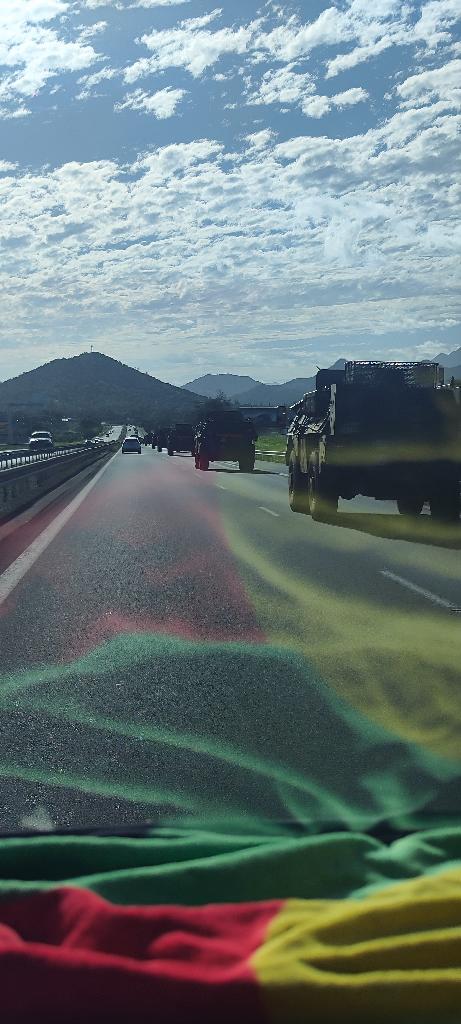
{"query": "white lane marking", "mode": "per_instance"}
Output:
(283, 474)
(15, 572)
(442, 602)
(222, 488)
(269, 511)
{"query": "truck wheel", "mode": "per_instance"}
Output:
(323, 503)
(445, 505)
(246, 465)
(159, 448)
(410, 506)
(170, 451)
(297, 488)
(203, 462)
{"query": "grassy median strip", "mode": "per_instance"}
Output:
(269, 443)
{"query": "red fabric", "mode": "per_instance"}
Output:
(70, 955)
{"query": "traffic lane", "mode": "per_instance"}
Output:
(389, 652)
(148, 723)
(422, 553)
(144, 552)
(20, 530)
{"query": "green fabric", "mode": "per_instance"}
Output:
(121, 735)
(193, 868)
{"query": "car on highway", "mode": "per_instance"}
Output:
(131, 444)
(41, 441)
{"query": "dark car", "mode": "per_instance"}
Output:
(131, 445)
(180, 439)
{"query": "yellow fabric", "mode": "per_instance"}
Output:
(394, 957)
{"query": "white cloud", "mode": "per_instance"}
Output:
(10, 114)
(317, 106)
(205, 245)
(293, 40)
(312, 237)
(33, 50)
(443, 84)
(436, 19)
(90, 82)
(190, 45)
(161, 104)
(360, 54)
(259, 140)
(285, 85)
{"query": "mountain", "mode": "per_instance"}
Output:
(449, 359)
(283, 394)
(94, 384)
(230, 384)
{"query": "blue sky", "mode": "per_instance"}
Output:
(252, 188)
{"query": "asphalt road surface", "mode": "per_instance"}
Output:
(178, 645)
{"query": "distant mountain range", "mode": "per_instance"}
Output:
(94, 384)
(256, 393)
(236, 387)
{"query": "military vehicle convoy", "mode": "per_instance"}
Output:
(227, 435)
(386, 430)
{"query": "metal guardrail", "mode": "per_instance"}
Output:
(24, 457)
(280, 455)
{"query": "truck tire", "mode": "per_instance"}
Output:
(159, 448)
(410, 506)
(297, 488)
(323, 502)
(203, 462)
(170, 451)
(445, 505)
(247, 464)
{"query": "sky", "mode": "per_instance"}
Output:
(246, 188)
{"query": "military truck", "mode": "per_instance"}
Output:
(386, 430)
(180, 438)
(225, 435)
(159, 438)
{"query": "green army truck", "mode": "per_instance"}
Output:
(225, 435)
(381, 429)
(180, 438)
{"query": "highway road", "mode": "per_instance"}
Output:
(112, 434)
(178, 645)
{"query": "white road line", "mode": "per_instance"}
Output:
(15, 572)
(283, 474)
(269, 511)
(222, 488)
(442, 602)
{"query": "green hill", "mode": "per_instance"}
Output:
(93, 384)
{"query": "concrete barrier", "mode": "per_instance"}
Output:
(22, 486)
